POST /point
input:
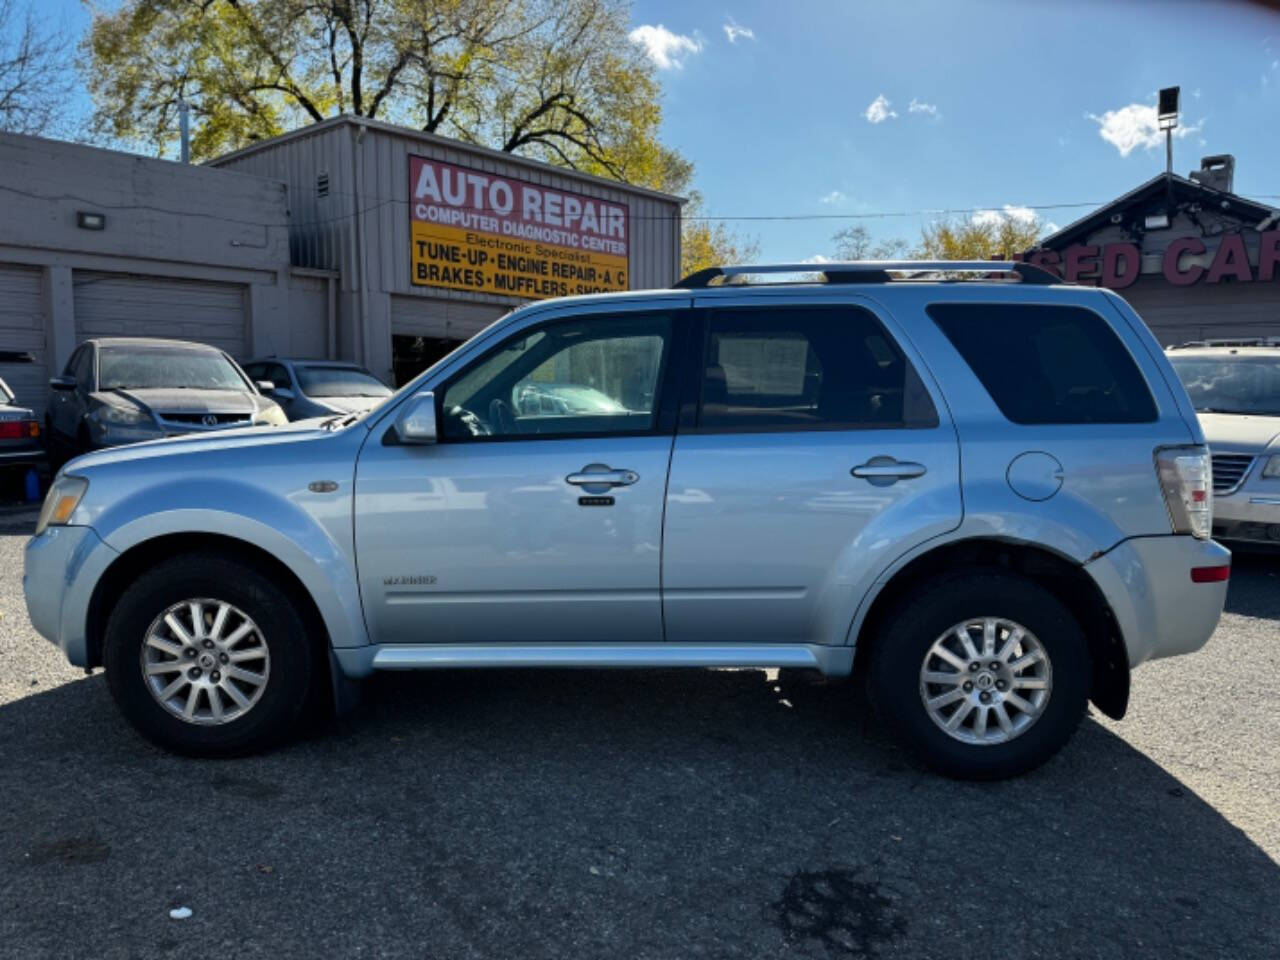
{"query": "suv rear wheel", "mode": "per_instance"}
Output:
(984, 675)
(208, 656)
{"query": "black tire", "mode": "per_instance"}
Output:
(273, 716)
(908, 632)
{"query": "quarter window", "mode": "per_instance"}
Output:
(808, 368)
(1045, 364)
(593, 376)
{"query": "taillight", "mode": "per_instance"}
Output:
(1186, 479)
(19, 429)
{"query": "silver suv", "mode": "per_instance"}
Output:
(991, 499)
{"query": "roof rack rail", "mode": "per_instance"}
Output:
(870, 271)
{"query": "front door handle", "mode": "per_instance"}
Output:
(888, 469)
(599, 475)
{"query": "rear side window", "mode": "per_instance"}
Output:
(1048, 364)
(808, 368)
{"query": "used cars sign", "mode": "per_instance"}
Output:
(477, 231)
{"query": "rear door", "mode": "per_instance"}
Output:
(811, 454)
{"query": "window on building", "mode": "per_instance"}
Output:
(808, 368)
(1045, 364)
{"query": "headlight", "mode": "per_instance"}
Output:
(272, 416)
(124, 416)
(63, 498)
(1272, 469)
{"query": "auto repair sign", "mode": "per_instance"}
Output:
(486, 233)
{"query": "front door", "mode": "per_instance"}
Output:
(537, 517)
(812, 456)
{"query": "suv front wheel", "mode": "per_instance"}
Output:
(984, 675)
(208, 656)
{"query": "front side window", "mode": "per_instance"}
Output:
(1231, 383)
(808, 368)
(1048, 364)
(122, 368)
(590, 376)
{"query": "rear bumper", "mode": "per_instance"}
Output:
(22, 456)
(1160, 610)
(61, 567)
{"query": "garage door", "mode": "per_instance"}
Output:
(440, 319)
(22, 331)
(127, 305)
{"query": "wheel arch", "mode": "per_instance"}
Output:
(1061, 576)
(146, 554)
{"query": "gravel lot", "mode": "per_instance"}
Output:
(643, 814)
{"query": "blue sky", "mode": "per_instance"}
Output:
(1012, 101)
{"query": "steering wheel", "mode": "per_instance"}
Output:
(502, 418)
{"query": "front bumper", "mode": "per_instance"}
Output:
(61, 567)
(1147, 582)
(1250, 515)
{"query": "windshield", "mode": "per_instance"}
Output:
(339, 382)
(166, 367)
(1232, 383)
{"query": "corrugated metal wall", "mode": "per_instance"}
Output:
(320, 235)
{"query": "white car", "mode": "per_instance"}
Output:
(1235, 387)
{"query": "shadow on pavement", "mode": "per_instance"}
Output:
(597, 814)
(1255, 585)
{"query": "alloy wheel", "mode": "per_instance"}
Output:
(986, 680)
(205, 661)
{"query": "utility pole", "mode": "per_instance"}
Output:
(184, 130)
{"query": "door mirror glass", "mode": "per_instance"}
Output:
(417, 423)
(265, 387)
(63, 383)
(282, 393)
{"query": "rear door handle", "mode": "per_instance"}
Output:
(887, 468)
(598, 475)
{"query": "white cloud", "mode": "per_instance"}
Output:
(817, 258)
(1134, 126)
(1050, 228)
(1009, 211)
(736, 31)
(664, 48)
(880, 110)
(919, 106)
(835, 196)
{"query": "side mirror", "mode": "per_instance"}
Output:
(63, 383)
(265, 387)
(417, 423)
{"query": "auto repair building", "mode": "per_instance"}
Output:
(1195, 259)
(433, 239)
(349, 239)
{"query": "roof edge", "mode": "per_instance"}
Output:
(422, 136)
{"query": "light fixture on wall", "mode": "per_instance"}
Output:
(90, 221)
(1156, 221)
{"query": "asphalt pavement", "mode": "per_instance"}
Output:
(654, 813)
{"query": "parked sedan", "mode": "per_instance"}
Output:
(19, 432)
(1236, 392)
(318, 388)
(124, 390)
